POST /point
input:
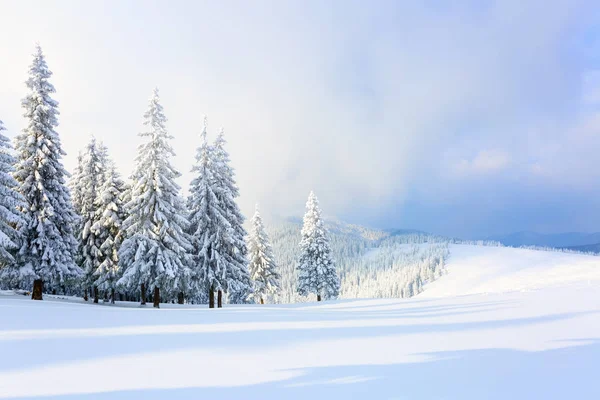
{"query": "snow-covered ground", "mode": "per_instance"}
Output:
(501, 324)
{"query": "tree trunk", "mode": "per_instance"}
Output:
(156, 297)
(85, 296)
(112, 296)
(95, 294)
(220, 299)
(211, 298)
(143, 294)
(262, 301)
(38, 288)
(180, 298)
(54, 291)
(318, 297)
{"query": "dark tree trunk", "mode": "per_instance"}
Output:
(262, 301)
(54, 291)
(211, 298)
(95, 294)
(220, 299)
(318, 297)
(112, 296)
(85, 296)
(143, 294)
(38, 288)
(156, 297)
(180, 298)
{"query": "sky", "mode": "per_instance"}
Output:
(462, 118)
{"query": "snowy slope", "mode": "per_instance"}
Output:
(478, 269)
(506, 344)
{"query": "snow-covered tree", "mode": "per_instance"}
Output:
(316, 268)
(11, 204)
(48, 246)
(219, 253)
(155, 252)
(91, 178)
(263, 271)
(239, 286)
(108, 227)
(209, 228)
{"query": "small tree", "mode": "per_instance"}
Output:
(155, 251)
(316, 268)
(263, 270)
(48, 246)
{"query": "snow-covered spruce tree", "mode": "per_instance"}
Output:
(316, 268)
(156, 251)
(48, 247)
(263, 271)
(239, 286)
(110, 210)
(210, 229)
(11, 216)
(91, 177)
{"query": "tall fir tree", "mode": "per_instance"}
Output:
(209, 228)
(91, 177)
(155, 253)
(11, 216)
(316, 268)
(239, 286)
(263, 271)
(110, 209)
(48, 246)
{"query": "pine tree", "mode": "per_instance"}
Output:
(209, 227)
(110, 209)
(263, 270)
(239, 286)
(91, 177)
(11, 204)
(155, 252)
(48, 246)
(316, 268)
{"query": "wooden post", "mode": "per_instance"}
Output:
(262, 301)
(38, 288)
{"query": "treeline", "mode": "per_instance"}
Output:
(101, 236)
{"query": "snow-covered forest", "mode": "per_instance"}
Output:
(109, 235)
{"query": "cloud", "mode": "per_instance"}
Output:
(371, 107)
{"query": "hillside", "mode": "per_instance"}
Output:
(501, 323)
(371, 263)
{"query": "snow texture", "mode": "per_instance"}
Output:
(534, 344)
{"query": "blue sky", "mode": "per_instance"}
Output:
(463, 118)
